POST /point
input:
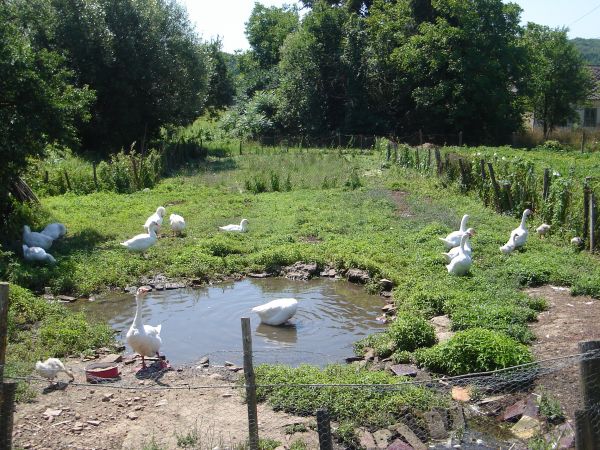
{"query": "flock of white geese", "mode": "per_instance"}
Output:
(145, 339)
(459, 248)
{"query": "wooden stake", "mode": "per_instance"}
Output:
(438, 161)
(546, 188)
(250, 384)
(3, 326)
(494, 183)
(589, 368)
(95, 176)
(463, 172)
(67, 180)
(592, 198)
(482, 169)
(586, 206)
(46, 176)
(240, 146)
(420, 137)
(582, 141)
(324, 430)
(460, 138)
(7, 390)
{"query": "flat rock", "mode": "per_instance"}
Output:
(404, 370)
(107, 397)
(409, 436)
(228, 364)
(461, 394)
(174, 285)
(435, 424)
(66, 298)
(52, 412)
(568, 435)
(132, 416)
(386, 284)
(357, 276)
(382, 437)
(526, 427)
(352, 359)
(399, 445)
(159, 403)
(204, 361)
(113, 358)
(366, 439)
(94, 422)
(513, 412)
(258, 275)
(386, 294)
(389, 307)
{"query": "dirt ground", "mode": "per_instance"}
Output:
(130, 414)
(568, 321)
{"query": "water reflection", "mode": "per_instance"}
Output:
(196, 322)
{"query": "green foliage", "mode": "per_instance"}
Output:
(559, 79)
(298, 445)
(362, 406)
(409, 333)
(268, 444)
(345, 433)
(589, 49)
(550, 408)
(474, 350)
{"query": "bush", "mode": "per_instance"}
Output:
(474, 350)
(409, 333)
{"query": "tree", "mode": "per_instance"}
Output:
(142, 57)
(221, 89)
(558, 80)
(39, 104)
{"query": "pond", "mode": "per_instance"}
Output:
(197, 322)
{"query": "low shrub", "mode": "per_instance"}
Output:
(409, 332)
(474, 350)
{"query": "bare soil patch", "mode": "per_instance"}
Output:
(132, 412)
(402, 207)
(568, 321)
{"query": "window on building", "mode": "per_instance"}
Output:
(590, 117)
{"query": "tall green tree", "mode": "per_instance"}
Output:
(558, 81)
(39, 105)
(221, 89)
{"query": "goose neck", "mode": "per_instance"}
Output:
(523, 219)
(137, 319)
(463, 223)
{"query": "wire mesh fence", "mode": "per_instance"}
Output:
(209, 404)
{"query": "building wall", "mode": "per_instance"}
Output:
(595, 105)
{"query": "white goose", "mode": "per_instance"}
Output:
(35, 239)
(509, 246)
(55, 230)
(241, 228)
(157, 218)
(177, 223)
(52, 367)
(453, 253)
(277, 312)
(543, 229)
(461, 263)
(37, 254)
(142, 242)
(453, 239)
(143, 339)
(519, 234)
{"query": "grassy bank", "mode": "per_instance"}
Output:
(385, 221)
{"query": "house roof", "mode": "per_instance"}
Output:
(595, 70)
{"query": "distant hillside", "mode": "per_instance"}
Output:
(589, 48)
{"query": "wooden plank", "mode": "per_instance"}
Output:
(250, 385)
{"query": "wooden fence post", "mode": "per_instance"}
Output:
(324, 430)
(587, 436)
(592, 198)
(494, 184)
(46, 176)
(7, 390)
(67, 179)
(463, 173)
(420, 137)
(417, 161)
(428, 159)
(582, 141)
(509, 199)
(438, 161)
(250, 384)
(95, 176)
(482, 169)
(460, 138)
(240, 146)
(586, 206)
(546, 188)
(395, 152)
(388, 154)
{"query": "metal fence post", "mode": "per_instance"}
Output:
(7, 390)
(250, 384)
(324, 430)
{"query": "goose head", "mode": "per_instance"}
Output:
(160, 211)
(470, 232)
(244, 224)
(142, 291)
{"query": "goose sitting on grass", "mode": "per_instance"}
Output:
(35, 239)
(453, 239)
(177, 223)
(144, 339)
(277, 312)
(461, 263)
(142, 242)
(454, 252)
(51, 368)
(55, 230)
(157, 218)
(37, 254)
(241, 228)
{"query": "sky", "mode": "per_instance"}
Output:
(226, 18)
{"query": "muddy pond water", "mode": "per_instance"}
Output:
(197, 322)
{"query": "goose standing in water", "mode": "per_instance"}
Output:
(453, 239)
(144, 339)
